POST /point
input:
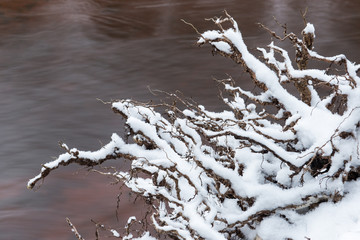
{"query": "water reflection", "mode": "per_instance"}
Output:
(58, 56)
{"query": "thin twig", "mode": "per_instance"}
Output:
(74, 230)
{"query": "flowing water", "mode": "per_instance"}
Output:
(57, 57)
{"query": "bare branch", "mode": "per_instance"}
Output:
(74, 230)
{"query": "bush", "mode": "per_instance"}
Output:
(276, 164)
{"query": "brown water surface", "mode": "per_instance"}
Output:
(58, 56)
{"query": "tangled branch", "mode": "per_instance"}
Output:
(221, 175)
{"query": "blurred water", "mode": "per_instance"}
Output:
(58, 56)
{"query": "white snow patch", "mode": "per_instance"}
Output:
(115, 233)
(222, 46)
(309, 29)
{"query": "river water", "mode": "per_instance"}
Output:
(57, 57)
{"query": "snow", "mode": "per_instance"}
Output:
(145, 236)
(316, 127)
(210, 35)
(223, 46)
(131, 219)
(283, 174)
(309, 29)
(115, 233)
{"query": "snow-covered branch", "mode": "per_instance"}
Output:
(238, 173)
